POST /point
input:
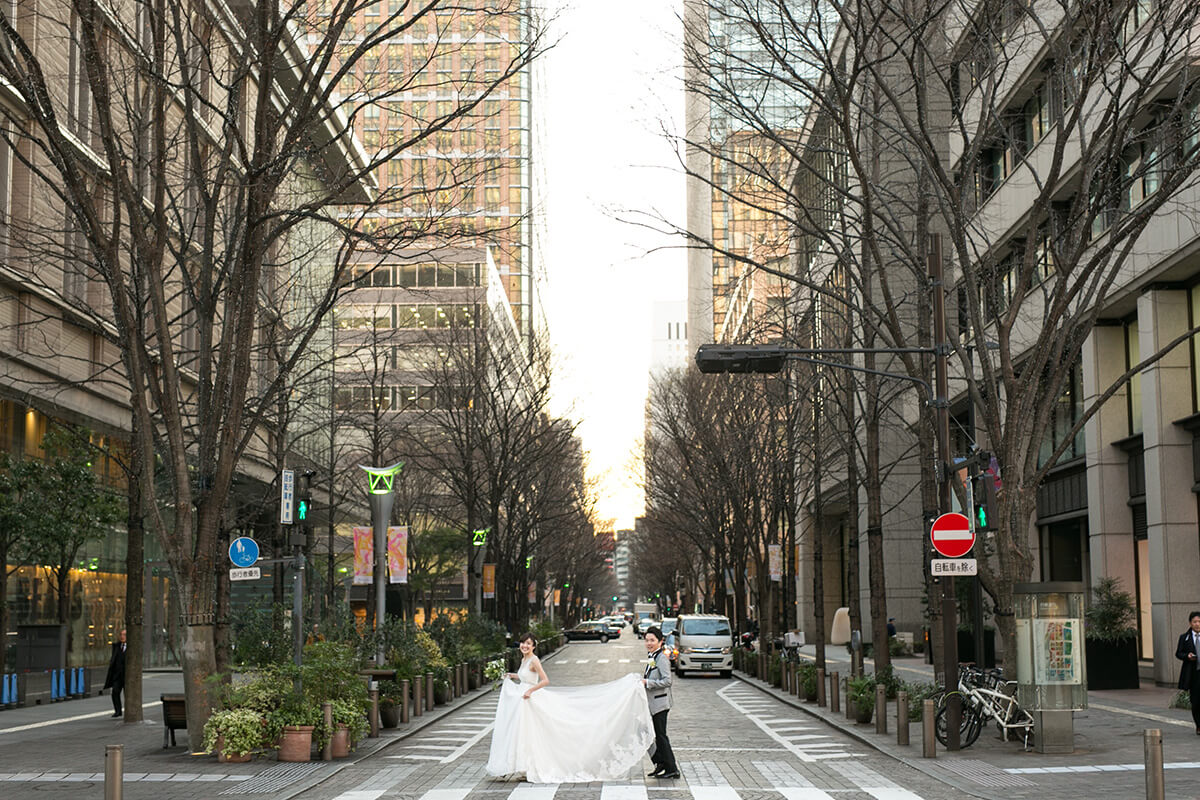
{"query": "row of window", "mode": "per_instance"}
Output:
(400, 398)
(423, 315)
(425, 276)
(376, 359)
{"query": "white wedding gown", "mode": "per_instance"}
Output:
(570, 734)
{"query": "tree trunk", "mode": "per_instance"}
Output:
(135, 595)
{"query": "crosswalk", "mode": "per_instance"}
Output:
(449, 741)
(702, 780)
(806, 739)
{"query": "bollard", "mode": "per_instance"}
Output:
(373, 711)
(327, 713)
(404, 700)
(114, 767)
(429, 691)
(880, 708)
(849, 705)
(418, 696)
(928, 735)
(902, 718)
(4, 691)
(821, 688)
(835, 693)
(1155, 788)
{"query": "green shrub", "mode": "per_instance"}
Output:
(544, 629)
(258, 638)
(1110, 615)
(861, 691)
(1181, 700)
(241, 730)
(481, 637)
(806, 672)
(898, 647)
(917, 692)
(448, 635)
(887, 677)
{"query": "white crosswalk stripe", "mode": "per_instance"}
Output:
(533, 791)
(623, 791)
(805, 746)
(377, 785)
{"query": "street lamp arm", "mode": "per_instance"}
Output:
(853, 368)
(769, 359)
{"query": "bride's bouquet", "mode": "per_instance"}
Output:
(494, 671)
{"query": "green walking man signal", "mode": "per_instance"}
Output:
(302, 506)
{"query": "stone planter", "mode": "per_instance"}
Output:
(389, 715)
(862, 713)
(295, 743)
(1112, 665)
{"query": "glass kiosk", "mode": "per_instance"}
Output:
(1051, 668)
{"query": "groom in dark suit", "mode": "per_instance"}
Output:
(1189, 646)
(657, 680)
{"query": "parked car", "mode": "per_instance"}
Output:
(705, 644)
(592, 630)
(615, 620)
(668, 624)
(671, 645)
(644, 624)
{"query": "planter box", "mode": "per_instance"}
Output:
(1112, 665)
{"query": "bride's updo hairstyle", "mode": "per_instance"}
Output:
(527, 636)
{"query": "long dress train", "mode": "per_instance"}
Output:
(570, 734)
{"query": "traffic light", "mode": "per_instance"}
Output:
(740, 358)
(984, 491)
(303, 505)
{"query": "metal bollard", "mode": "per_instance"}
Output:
(327, 713)
(880, 708)
(902, 718)
(928, 736)
(404, 700)
(429, 691)
(835, 693)
(821, 687)
(374, 713)
(114, 769)
(418, 696)
(1155, 788)
(849, 705)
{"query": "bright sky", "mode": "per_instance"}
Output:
(611, 86)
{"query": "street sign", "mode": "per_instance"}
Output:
(245, 574)
(287, 490)
(243, 551)
(953, 566)
(952, 535)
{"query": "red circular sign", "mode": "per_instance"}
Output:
(952, 535)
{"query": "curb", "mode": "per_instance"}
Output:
(919, 764)
(384, 742)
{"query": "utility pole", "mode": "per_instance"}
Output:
(941, 404)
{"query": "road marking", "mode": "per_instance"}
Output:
(455, 793)
(582, 661)
(808, 750)
(467, 745)
(76, 718)
(1100, 768)
(713, 792)
(623, 791)
(531, 791)
(803, 793)
(602, 661)
(890, 793)
(1142, 715)
(623, 661)
(418, 757)
(377, 785)
(789, 783)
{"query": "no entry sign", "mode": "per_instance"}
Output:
(952, 535)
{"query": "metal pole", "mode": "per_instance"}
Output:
(835, 692)
(418, 696)
(429, 691)
(942, 410)
(404, 700)
(297, 612)
(928, 734)
(902, 717)
(1155, 787)
(880, 708)
(373, 694)
(114, 768)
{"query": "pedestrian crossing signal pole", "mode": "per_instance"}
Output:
(941, 403)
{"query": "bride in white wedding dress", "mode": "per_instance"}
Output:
(568, 734)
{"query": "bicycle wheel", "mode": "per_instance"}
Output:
(968, 729)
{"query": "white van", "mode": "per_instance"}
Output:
(705, 643)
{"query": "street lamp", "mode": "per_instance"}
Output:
(380, 481)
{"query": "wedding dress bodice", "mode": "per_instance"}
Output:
(525, 673)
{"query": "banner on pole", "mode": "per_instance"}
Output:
(775, 561)
(557, 596)
(397, 554)
(489, 581)
(532, 593)
(364, 552)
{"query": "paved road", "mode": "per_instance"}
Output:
(732, 743)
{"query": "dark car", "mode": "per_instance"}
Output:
(589, 630)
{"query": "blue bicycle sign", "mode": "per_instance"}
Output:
(243, 551)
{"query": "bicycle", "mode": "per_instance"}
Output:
(985, 695)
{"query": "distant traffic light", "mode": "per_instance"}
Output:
(984, 491)
(302, 506)
(740, 358)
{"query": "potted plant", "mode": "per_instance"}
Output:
(860, 691)
(294, 723)
(1110, 637)
(234, 733)
(349, 725)
(389, 703)
(806, 674)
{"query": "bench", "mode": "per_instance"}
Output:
(174, 710)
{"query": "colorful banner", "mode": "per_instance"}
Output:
(397, 553)
(532, 593)
(557, 596)
(364, 553)
(775, 561)
(489, 581)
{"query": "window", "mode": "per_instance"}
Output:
(1067, 411)
(1036, 116)
(1133, 391)
(79, 98)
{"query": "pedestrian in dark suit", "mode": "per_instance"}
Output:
(1189, 646)
(657, 680)
(116, 673)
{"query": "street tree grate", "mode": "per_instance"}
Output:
(274, 779)
(984, 774)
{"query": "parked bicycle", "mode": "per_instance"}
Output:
(985, 696)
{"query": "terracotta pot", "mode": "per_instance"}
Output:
(229, 758)
(296, 743)
(341, 741)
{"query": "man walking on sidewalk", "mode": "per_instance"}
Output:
(116, 673)
(1189, 646)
